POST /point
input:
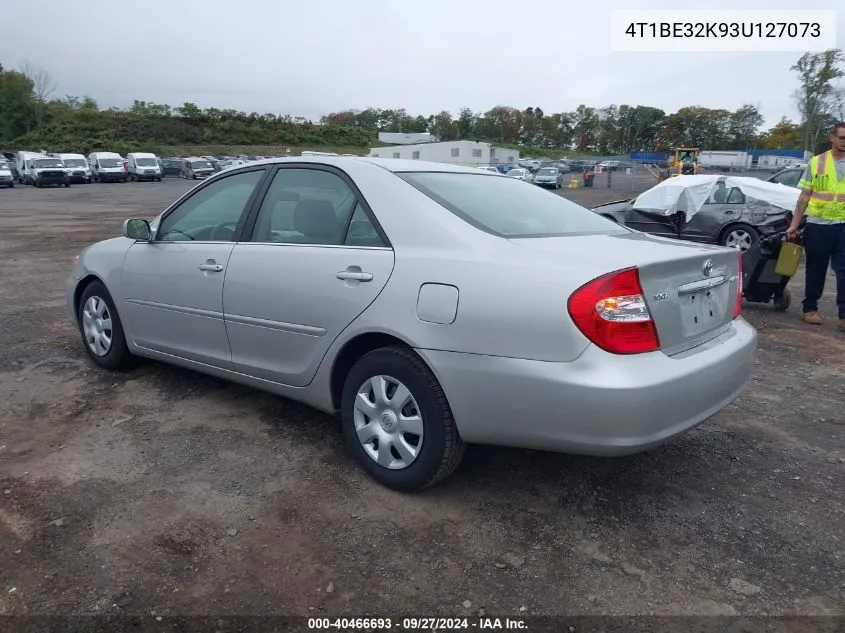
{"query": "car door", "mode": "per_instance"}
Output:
(715, 214)
(315, 260)
(173, 285)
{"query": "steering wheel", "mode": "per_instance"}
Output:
(223, 232)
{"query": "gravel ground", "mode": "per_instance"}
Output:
(165, 492)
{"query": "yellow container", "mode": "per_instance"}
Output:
(788, 259)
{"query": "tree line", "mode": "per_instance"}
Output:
(32, 116)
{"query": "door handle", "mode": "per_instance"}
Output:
(354, 275)
(211, 268)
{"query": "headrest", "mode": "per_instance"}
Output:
(315, 218)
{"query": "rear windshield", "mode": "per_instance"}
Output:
(146, 162)
(201, 164)
(74, 162)
(546, 171)
(110, 162)
(508, 207)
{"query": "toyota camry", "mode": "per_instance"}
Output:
(431, 306)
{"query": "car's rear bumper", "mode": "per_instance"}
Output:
(600, 404)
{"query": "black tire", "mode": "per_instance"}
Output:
(11, 185)
(38, 184)
(118, 357)
(753, 233)
(782, 302)
(67, 184)
(442, 448)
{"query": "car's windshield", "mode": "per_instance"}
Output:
(110, 162)
(516, 172)
(201, 164)
(146, 162)
(74, 162)
(46, 163)
(507, 208)
(547, 172)
(4, 165)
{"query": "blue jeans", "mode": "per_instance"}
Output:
(824, 245)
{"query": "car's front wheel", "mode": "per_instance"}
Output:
(397, 421)
(101, 328)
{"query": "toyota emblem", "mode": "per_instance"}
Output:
(707, 268)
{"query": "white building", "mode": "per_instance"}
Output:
(471, 153)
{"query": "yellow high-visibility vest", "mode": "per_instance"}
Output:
(827, 199)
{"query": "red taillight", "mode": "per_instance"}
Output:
(738, 306)
(611, 311)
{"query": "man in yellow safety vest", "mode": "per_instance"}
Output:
(823, 199)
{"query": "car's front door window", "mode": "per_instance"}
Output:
(212, 214)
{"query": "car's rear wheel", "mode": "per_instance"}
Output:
(739, 236)
(101, 328)
(397, 421)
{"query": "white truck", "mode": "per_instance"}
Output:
(724, 160)
(143, 166)
(26, 167)
(107, 167)
(76, 166)
(776, 163)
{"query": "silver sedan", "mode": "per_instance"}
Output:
(431, 305)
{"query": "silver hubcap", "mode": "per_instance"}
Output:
(388, 422)
(96, 325)
(738, 239)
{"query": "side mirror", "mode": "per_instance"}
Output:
(137, 230)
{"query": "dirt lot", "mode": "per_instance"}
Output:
(162, 491)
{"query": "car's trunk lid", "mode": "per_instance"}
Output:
(690, 288)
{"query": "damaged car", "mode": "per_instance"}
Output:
(711, 209)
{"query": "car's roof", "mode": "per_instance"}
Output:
(395, 165)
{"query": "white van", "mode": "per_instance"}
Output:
(143, 166)
(107, 167)
(26, 168)
(76, 167)
(44, 171)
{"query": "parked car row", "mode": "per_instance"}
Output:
(43, 169)
(64, 169)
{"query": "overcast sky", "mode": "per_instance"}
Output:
(311, 57)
